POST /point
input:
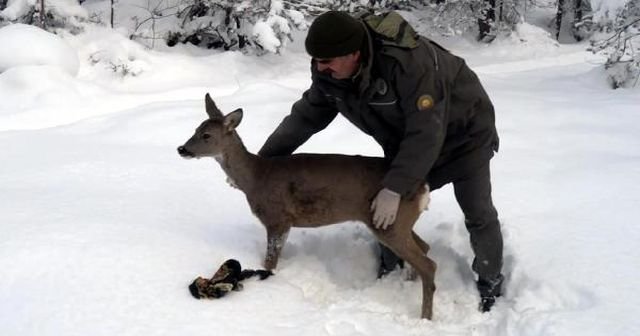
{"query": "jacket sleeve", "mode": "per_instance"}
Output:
(309, 115)
(423, 101)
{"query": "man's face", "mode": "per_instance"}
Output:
(341, 67)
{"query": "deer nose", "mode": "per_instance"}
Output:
(184, 152)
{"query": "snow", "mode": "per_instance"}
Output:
(104, 225)
(29, 45)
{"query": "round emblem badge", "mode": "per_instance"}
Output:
(425, 102)
(381, 86)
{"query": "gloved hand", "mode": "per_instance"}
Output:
(385, 208)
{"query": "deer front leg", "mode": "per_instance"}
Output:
(275, 241)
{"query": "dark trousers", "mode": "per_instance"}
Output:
(473, 193)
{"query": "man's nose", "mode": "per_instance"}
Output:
(322, 66)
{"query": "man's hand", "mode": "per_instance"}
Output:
(385, 208)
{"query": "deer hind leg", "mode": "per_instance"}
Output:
(421, 243)
(407, 247)
(412, 274)
(276, 238)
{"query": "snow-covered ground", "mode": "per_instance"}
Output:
(103, 225)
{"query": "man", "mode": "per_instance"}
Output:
(426, 109)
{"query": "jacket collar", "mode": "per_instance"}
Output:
(364, 74)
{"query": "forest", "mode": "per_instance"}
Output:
(611, 27)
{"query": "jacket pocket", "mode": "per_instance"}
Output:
(387, 108)
(383, 103)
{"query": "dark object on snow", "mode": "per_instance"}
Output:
(226, 279)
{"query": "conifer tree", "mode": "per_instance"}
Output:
(250, 25)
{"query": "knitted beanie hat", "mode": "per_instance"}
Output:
(334, 34)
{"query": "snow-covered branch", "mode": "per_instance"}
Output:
(622, 47)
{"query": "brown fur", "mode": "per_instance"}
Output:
(311, 190)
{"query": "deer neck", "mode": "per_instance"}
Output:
(239, 164)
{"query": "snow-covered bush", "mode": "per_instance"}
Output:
(456, 17)
(605, 13)
(110, 53)
(315, 7)
(621, 46)
(59, 14)
(249, 25)
(261, 25)
(453, 17)
(445, 17)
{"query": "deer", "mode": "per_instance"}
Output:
(311, 190)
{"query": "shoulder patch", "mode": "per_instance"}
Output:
(424, 102)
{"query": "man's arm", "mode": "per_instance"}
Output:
(423, 101)
(309, 115)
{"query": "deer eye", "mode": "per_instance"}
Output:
(206, 136)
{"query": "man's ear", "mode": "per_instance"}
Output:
(232, 120)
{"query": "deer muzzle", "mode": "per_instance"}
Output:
(185, 153)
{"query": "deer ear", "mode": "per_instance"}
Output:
(212, 109)
(232, 120)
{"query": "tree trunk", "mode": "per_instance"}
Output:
(42, 15)
(578, 11)
(486, 22)
(112, 11)
(559, 16)
(578, 14)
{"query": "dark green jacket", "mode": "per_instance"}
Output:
(422, 104)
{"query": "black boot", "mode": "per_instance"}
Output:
(389, 261)
(489, 289)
